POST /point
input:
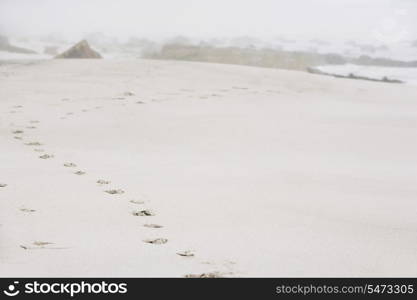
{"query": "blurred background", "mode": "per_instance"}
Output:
(374, 38)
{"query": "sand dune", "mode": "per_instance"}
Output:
(159, 168)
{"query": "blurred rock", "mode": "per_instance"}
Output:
(80, 50)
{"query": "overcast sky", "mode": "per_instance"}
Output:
(387, 20)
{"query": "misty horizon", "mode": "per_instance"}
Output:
(385, 21)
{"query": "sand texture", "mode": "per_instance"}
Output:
(161, 168)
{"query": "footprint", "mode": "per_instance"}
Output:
(38, 150)
(2, 185)
(115, 192)
(33, 144)
(79, 173)
(18, 137)
(129, 93)
(102, 181)
(140, 102)
(69, 113)
(205, 275)
(27, 210)
(137, 201)
(152, 226)
(31, 127)
(18, 132)
(84, 110)
(158, 241)
(46, 156)
(70, 165)
(186, 253)
(40, 245)
(143, 213)
(33, 121)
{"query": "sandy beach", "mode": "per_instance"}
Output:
(246, 171)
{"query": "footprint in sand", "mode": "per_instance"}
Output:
(2, 185)
(33, 121)
(18, 137)
(70, 165)
(33, 144)
(158, 241)
(69, 113)
(84, 110)
(46, 156)
(205, 275)
(79, 173)
(137, 201)
(31, 127)
(115, 192)
(17, 131)
(103, 182)
(143, 213)
(38, 150)
(27, 210)
(186, 253)
(152, 226)
(37, 244)
(140, 102)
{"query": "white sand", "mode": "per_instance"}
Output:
(260, 172)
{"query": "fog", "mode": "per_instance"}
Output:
(385, 20)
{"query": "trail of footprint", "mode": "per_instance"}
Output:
(143, 213)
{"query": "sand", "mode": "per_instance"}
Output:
(248, 171)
